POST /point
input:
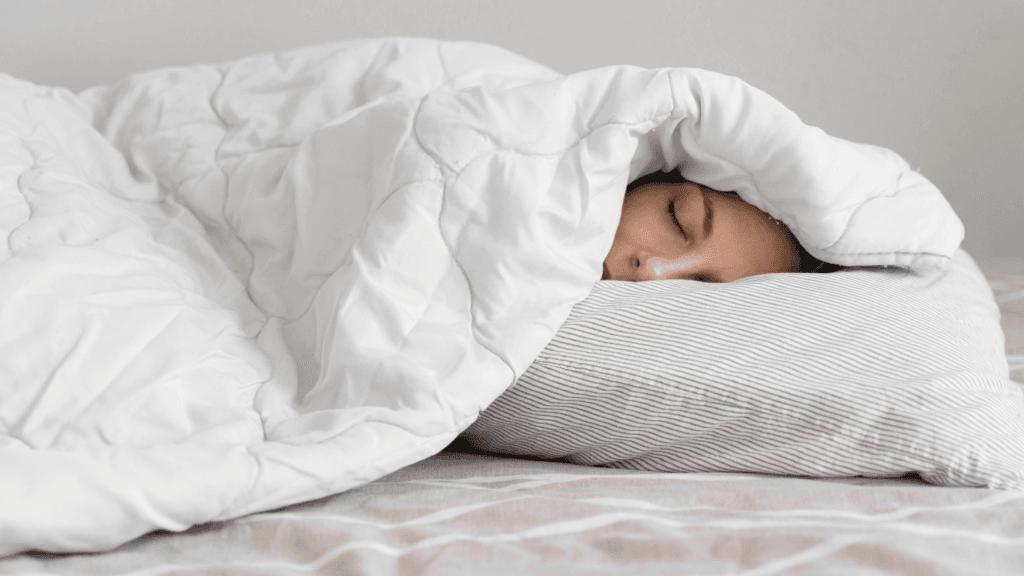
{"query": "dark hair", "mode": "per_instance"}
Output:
(808, 263)
(673, 177)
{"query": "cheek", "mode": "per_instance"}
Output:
(783, 257)
(755, 238)
(626, 228)
(619, 240)
(637, 225)
(629, 237)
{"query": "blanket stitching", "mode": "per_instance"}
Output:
(846, 230)
(444, 181)
(846, 226)
(216, 160)
(220, 168)
(659, 118)
(10, 429)
(440, 59)
(18, 180)
(733, 165)
(861, 205)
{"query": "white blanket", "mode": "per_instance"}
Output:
(230, 288)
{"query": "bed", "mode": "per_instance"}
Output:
(463, 512)
(269, 368)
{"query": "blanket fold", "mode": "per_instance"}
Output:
(234, 287)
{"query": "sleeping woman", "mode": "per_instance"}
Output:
(675, 229)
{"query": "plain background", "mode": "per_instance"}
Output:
(940, 82)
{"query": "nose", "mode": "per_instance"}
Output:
(653, 267)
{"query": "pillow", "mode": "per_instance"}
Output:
(863, 372)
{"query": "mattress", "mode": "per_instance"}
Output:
(471, 513)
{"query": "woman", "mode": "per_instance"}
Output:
(675, 229)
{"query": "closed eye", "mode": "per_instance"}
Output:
(672, 213)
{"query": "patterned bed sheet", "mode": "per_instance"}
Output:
(1006, 277)
(459, 513)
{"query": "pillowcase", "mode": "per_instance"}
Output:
(862, 372)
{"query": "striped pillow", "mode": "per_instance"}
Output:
(856, 373)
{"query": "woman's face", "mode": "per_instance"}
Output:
(681, 231)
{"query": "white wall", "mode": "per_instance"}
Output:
(940, 82)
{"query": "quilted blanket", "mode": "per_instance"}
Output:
(229, 288)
